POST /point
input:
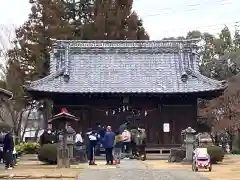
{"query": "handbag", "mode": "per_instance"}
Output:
(79, 143)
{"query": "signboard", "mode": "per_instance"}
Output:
(166, 127)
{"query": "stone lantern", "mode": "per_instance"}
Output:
(61, 123)
(189, 139)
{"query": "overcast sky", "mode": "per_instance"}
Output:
(161, 18)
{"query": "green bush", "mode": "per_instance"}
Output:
(236, 152)
(216, 153)
(48, 154)
(177, 155)
(27, 148)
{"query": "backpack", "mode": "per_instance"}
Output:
(139, 139)
(133, 134)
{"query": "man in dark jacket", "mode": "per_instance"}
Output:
(109, 139)
(8, 147)
(101, 131)
(92, 139)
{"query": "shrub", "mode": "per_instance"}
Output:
(216, 153)
(236, 152)
(48, 153)
(27, 148)
(177, 155)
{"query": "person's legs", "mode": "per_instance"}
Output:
(127, 150)
(97, 149)
(123, 147)
(1, 156)
(107, 155)
(93, 159)
(14, 159)
(133, 148)
(143, 152)
(117, 152)
(90, 157)
(8, 160)
(111, 155)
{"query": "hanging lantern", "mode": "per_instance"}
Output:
(145, 113)
(113, 112)
(139, 113)
(107, 113)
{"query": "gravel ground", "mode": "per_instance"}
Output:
(136, 170)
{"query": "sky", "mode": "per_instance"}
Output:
(161, 18)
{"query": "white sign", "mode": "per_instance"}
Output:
(166, 127)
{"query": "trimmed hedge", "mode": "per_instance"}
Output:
(48, 153)
(236, 152)
(216, 153)
(27, 148)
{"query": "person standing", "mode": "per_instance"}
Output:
(8, 147)
(100, 131)
(92, 142)
(109, 140)
(140, 140)
(133, 132)
(126, 135)
(118, 148)
(14, 157)
(79, 147)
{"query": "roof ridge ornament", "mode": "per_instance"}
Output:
(121, 43)
(184, 77)
(66, 74)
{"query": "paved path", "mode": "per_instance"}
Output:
(136, 170)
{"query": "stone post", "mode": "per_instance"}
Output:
(63, 160)
(70, 142)
(189, 141)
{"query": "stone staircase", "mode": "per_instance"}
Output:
(158, 153)
(152, 154)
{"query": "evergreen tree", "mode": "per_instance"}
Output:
(46, 21)
(115, 20)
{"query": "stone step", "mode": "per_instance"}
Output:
(149, 157)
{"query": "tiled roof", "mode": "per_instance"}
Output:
(125, 67)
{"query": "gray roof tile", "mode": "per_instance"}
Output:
(133, 66)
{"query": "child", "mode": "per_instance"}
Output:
(14, 157)
(118, 147)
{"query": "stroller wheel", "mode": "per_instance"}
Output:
(210, 168)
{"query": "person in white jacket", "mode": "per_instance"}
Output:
(126, 139)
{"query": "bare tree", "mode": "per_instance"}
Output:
(17, 119)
